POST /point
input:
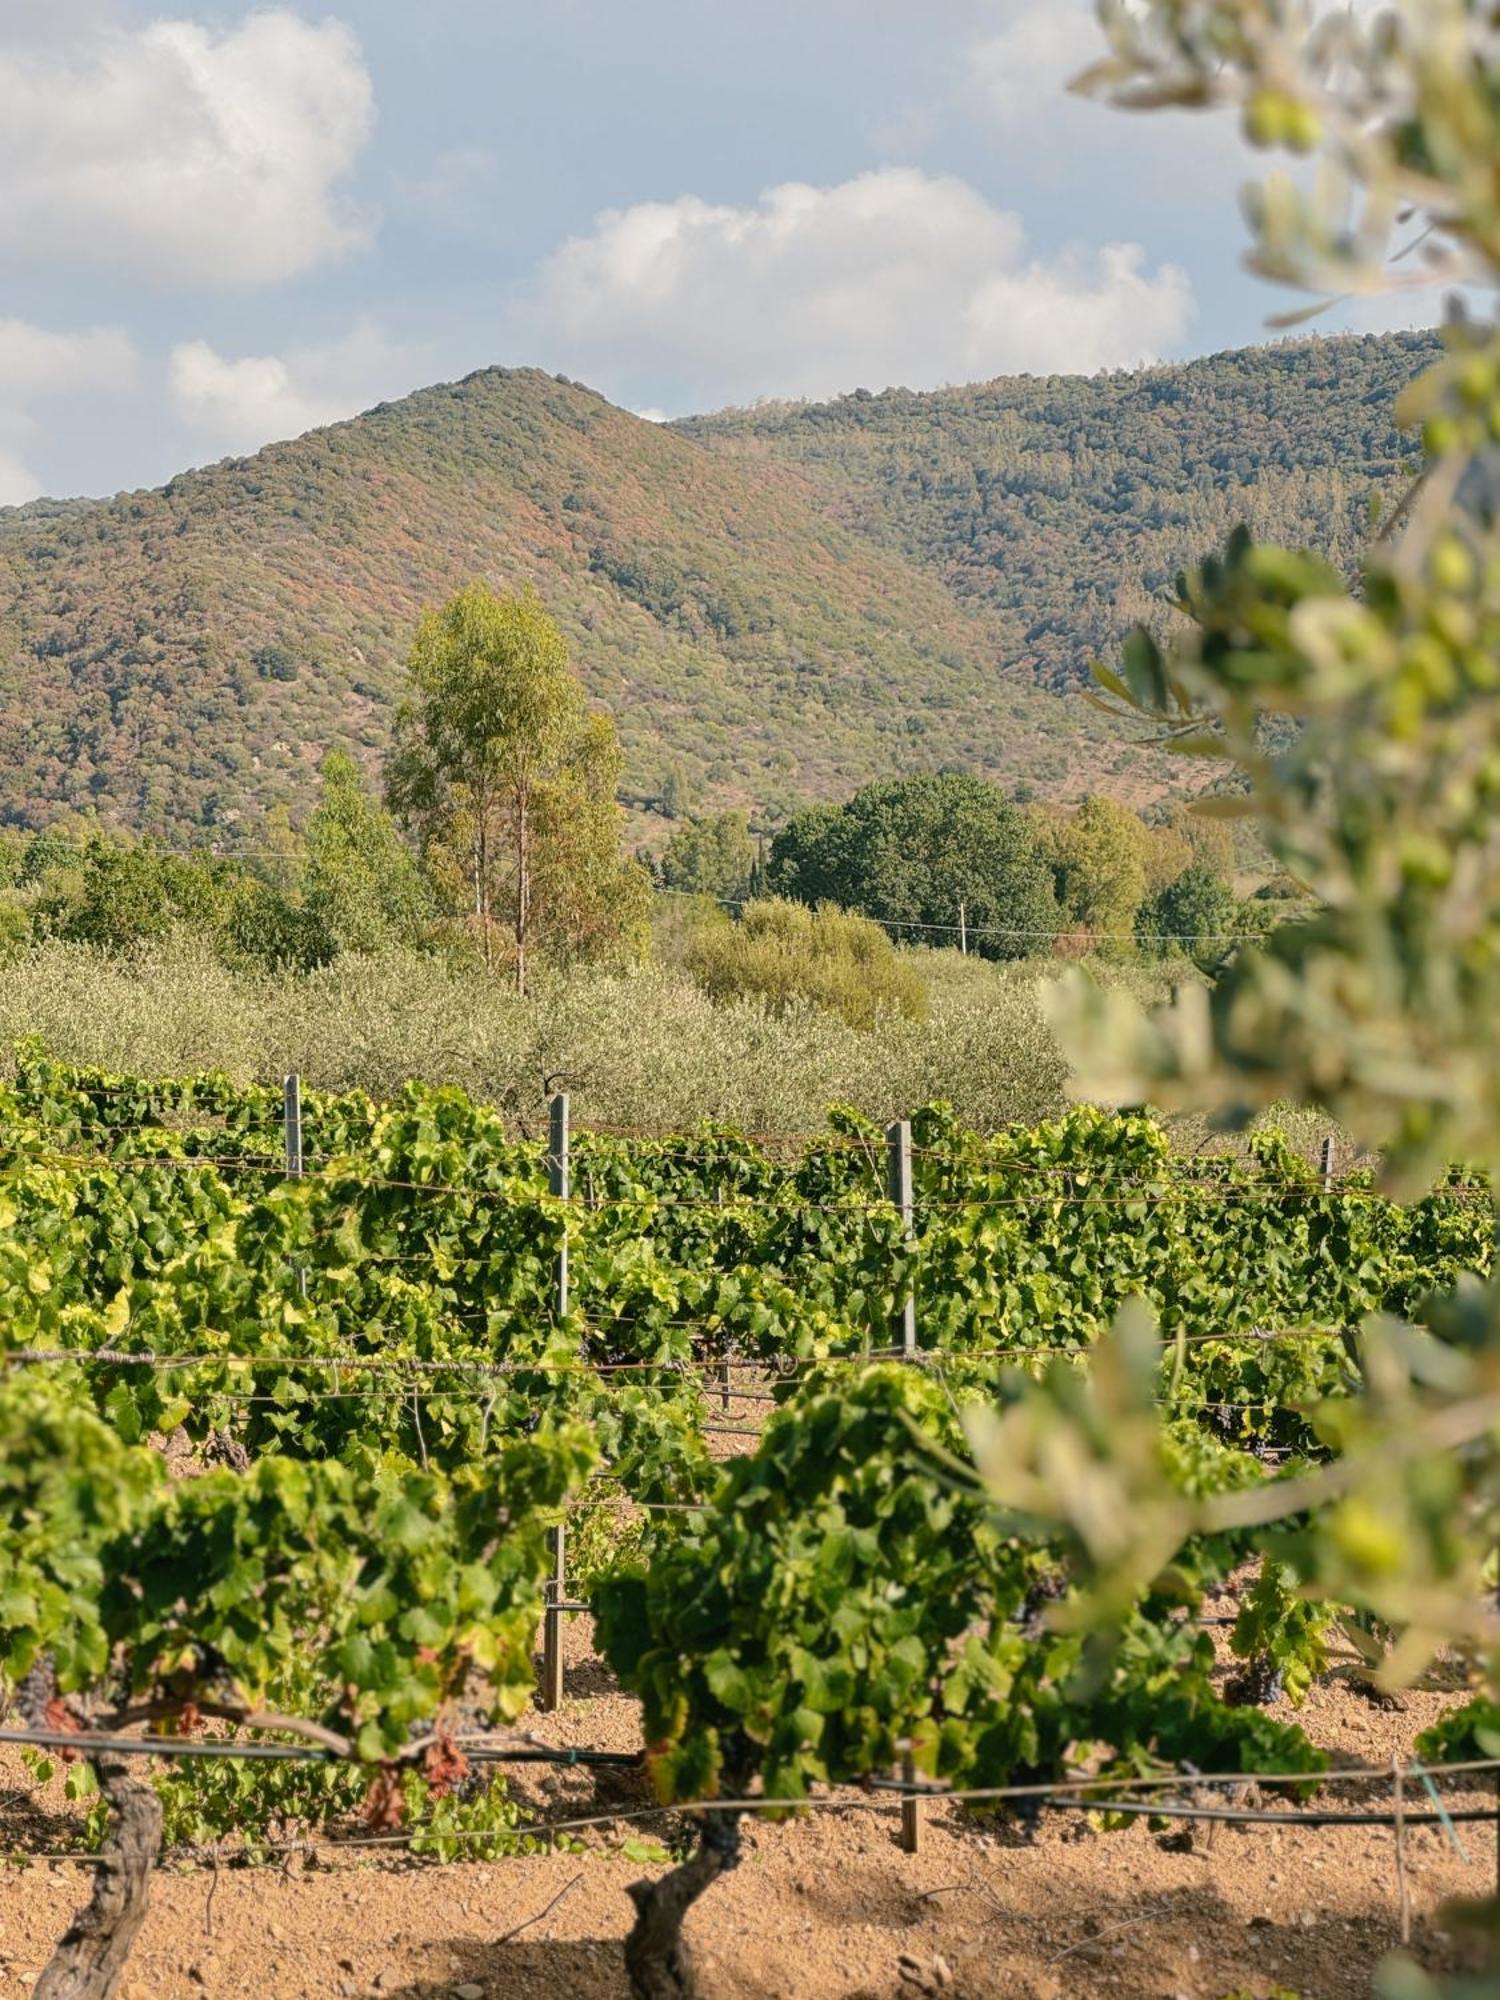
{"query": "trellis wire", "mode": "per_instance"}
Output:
(1156, 1189)
(1079, 1795)
(939, 1357)
(88, 1742)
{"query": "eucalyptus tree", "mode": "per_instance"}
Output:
(507, 778)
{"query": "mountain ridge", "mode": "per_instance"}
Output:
(776, 604)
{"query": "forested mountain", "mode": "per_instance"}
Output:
(777, 604)
(1066, 505)
(182, 656)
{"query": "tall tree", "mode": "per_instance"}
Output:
(1196, 917)
(1098, 856)
(362, 886)
(505, 777)
(713, 856)
(916, 852)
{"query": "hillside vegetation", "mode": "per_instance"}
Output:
(1066, 506)
(178, 657)
(776, 605)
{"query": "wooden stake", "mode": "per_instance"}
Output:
(898, 1183)
(552, 1618)
(1403, 1897)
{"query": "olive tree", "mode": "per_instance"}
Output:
(1363, 728)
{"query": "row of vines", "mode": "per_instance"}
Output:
(279, 1455)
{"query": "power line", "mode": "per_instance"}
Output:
(990, 931)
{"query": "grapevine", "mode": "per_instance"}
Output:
(384, 1412)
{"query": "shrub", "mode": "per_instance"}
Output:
(783, 952)
(640, 1047)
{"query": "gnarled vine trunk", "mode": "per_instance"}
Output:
(91, 1956)
(656, 1953)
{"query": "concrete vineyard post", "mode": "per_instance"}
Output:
(898, 1186)
(724, 1369)
(1329, 1162)
(552, 1617)
(291, 1109)
(898, 1183)
(559, 1183)
(291, 1122)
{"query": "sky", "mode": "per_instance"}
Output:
(221, 225)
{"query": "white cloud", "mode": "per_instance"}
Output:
(1022, 69)
(35, 365)
(894, 277)
(237, 405)
(192, 156)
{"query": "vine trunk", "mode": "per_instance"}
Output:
(656, 1953)
(91, 1954)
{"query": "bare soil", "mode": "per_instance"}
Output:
(826, 1906)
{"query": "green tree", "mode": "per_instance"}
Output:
(1099, 868)
(503, 774)
(1197, 917)
(274, 927)
(361, 885)
(713, 856)
(1208, 839)
(596, 905)
(678, 794)
(115, 896)
(917, 852)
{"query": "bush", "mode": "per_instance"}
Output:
(782, 952)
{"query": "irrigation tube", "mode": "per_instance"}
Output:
(85, 1744)
(1237, 1816)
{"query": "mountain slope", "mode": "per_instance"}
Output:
(180, 657)
(1067, 505)
(779, 603)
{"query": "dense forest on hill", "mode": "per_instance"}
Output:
(1068, 505)
(777, 605)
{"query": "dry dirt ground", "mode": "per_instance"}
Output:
(828, 1906)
